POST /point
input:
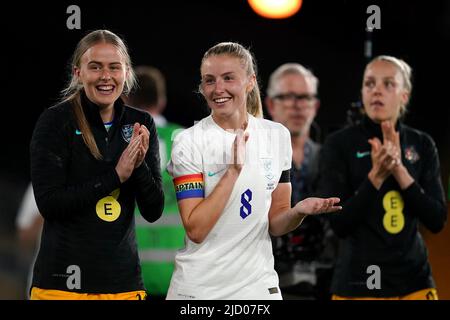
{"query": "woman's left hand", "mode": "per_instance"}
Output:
(312, 205)
(145, 138)
(389, 134)
(399, 171)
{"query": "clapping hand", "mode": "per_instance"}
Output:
(134, 154)
(386, 157)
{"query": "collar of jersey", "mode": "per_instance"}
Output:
(249, 125)
(374, 129)
(92, 110)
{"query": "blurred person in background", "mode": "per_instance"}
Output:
(388, 177)
(29, 224)
(159, 241)
(305, 256)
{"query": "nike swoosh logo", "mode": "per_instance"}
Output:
(211, 174)
(360, 155)
(77, 132)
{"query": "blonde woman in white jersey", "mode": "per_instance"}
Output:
(231, 174)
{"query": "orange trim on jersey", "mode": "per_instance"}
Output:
(425, 294)
(50, 294)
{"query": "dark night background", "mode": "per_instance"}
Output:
(326, 36)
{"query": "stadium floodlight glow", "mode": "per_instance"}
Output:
(275, 9)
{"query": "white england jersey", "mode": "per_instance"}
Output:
(235, 260)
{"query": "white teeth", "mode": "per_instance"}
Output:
(220, 100)
(105, 87)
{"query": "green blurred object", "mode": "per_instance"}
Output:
(159, 241)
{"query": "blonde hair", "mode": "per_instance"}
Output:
(405, 71)
(233, 49)
(72, 92)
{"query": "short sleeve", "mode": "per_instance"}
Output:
(185, 166)
(286, 156)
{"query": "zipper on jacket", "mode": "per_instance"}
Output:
(107, 152)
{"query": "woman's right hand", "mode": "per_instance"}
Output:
(384, 159)
(313, 206)
(127, 160)
(238, 151)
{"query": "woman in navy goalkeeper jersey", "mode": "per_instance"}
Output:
(92, 159)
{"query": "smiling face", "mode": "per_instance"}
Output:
(102, 72)
(383, 91)
(225, 85)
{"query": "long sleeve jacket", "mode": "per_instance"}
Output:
(380, 227)
(89, 214)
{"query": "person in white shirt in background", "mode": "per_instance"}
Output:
(29, 224)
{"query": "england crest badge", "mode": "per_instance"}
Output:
(267, 166)
(411, 154)
(127, 132)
